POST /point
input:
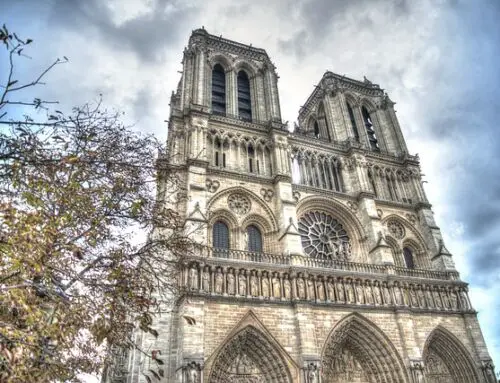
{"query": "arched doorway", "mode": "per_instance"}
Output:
(356, 351)
(249, 357)
(446, 360)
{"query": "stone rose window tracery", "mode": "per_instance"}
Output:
(396, 229)
(239, 203)
(324, 237)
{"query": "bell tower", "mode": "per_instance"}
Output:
(318, 256)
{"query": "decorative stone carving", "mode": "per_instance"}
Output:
(218, 282)
(212, 185)
(312, 373)
(488, 371)
(412, 218)
(239, 203)
(324, 237)
(206, 280)
(193, 278)
(193, 373)
(331, 290)
(230, 283)
(417, 370)
(310, 289)
(396, 229)
(254, 291)
(276, 287)
(301, 290)
(352, 205)
(265, 286)
(267, 194)
(380, 213)
(296, 196)
(287, 289)
(321, 290)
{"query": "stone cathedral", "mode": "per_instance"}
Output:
(319, 260)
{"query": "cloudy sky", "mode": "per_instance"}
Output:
(438, 59)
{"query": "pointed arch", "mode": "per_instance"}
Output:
(264, 357)
(447, 360)
(324, 129)
(358, 342)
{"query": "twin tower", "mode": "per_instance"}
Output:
(319, 259)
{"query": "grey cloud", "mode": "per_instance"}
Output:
(147, 34)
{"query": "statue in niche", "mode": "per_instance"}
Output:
(230, 283)
(404, 292)
(464, 305)
(398, 295)
(312, 376)
(368, 294)
(193, 278)
(454, 300)
(437, 299)
(419, 376)
(428, 297)
(206, 280)
(301, 288)
(387, 295)
(276, 287)
(321, 291)
(218, 282)
(192, 374)
(413, 297)
(242, 284)
(254, 291)
(287, 288)
(349, 292)
(340, 290)
(421, 297)
(446, 300)
(376, 293)
(265, 286)
(360, 293)
(331, 290)
(310, 289)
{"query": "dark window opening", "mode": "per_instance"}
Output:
(216, 158)
(220, 236)
(353, 122)
(218, 90)
(244, 101)
(372, 138)
(316, 129)
(254, 239)
(408, 256)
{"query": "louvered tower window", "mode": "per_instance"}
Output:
(220, 236)
(353, 122)
(218, 90)
(244, 101)
(372, 138)
(254, 239)
(408, 256)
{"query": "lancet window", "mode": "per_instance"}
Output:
(244, 100)
(372, 138)
(220, 235)
(353, 122)
(408, 257)
(391, 185)
(254, 238)
(218, 90)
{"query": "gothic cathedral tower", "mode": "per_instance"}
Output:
(319, 258)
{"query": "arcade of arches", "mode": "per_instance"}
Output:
(355, 351)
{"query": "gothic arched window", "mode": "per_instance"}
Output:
(251, 159)
(316, 129)
(254, 239)
(372, 138)
(218, 90)
(244, 101)
(323, 123)
(220, 235)
(324, 237)
(353, 122)
(408, 256)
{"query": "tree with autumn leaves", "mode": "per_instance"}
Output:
(76, 190)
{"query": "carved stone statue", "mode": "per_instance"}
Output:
(287, 288)
(421, 297)
(413, 297)
(301, 288)
(454, 300)
(312, 376)
(368, 294)
(331, 290)
(310, 289)
(360, 293)
(349, 293)
(340, 291)
(230, 283)
(218, 282)
(437, 299)
(193, 278)
(387, 295)
(464, 305)
(265, 286)
(253, 285)
(321, 290)
(376, 293)
(192, 374)
(276, 287)
(242, 284)
(206, 281)
(398, 295)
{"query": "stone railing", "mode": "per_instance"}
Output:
(308, 262)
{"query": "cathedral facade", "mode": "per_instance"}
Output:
(319, 259)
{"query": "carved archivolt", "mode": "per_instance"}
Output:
(358, 351)
(446, 360)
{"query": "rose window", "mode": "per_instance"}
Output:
(239, 203)
(324, 237)
(396, 229)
